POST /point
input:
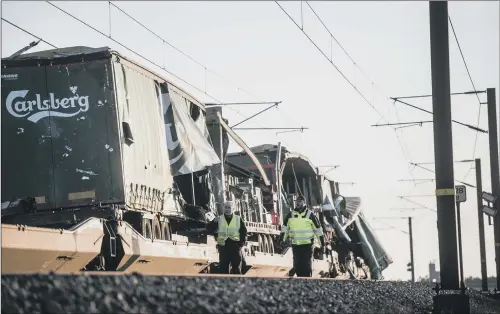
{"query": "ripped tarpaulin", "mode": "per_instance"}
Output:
(332, 210)
(188, 148)
(330, 203)
(380, 258)
(336, 209)
(377, 257)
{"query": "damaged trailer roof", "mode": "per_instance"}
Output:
(301, 164)
(237, 171)
(81, 54)
(141, 126)
(351, 208)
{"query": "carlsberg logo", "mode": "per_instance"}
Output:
(37, 108)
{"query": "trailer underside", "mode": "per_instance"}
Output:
(97, 244)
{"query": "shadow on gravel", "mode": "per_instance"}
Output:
(154, 294)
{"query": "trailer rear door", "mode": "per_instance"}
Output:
(85, 146)
(27, 169)
(60, 138)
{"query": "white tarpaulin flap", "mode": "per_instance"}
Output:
(338, 208)
(377, 258)
(380, 258)
(328, 201)
(188, 148)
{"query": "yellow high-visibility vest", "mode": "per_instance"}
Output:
(300, 228)
(228, 231)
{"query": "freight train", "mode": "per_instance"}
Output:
(108, 166)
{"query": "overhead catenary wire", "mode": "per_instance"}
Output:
(338, 43)
(301, 129)
(416, 203)
(131, 50)
(341, 73)
(411, 180)
(474, 92)
(452, 94)
(143, 57)
(29, 33)
(400, 142)
(172, 73)
(140, 55)
(474, 87)
(389, 225)
(182, 52)
(452, 120)
(361, 70)
(207, 69)
(332, 63)
(433, 162)
(198, 63)
(403, 123)
(394, 228)
(427, 169)
(54, 46)
(406, 208)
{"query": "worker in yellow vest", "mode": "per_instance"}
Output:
(231, 236)
(301, 226)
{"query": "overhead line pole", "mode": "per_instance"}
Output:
(495, 173)
(480, 219)
(411, 250)
(443, 144)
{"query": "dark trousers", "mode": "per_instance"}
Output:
(302, 260)
(230, 253)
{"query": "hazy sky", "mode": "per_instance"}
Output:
(256, 47)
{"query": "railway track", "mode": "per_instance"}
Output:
(106, 292)
(115, 273)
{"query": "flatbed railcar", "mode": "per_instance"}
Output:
(107, 166)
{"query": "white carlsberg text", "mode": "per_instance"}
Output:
(38, 108)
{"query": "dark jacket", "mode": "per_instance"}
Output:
(214, 225)
(312, 217)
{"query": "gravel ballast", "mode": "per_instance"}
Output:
(155, 294)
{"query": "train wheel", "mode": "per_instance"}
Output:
(265, 243)
(271, 244)
(146, 228)
(102, 263)
(367, 272)
(157, 230)
(165, 231)
(261, 243)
